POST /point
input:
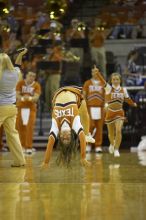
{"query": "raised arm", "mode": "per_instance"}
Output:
(101, 78)
(19, 57)
(51, 141)
(82, 140)
(128, 100)
(77, 127)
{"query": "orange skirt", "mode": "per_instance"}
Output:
(112, 116)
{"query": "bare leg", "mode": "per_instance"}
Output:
(111, 133)
(85, 121)
(118, 137)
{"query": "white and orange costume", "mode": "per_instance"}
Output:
(114, 98)
(66, 115)
(26, 112)
(94, 94)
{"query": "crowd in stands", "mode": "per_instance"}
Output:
(59, 55)
(125, 19)
(49, 41)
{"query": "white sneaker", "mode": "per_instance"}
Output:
(90, 139)
(111, 149)
(98, 150)
(28, 151)
(88, 148)
(116, 153)
(111, 37)
(4, 149)
(24, 150)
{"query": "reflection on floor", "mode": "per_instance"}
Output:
(110, 189)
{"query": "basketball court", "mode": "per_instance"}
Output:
(113, 188)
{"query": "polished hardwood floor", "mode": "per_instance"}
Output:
(112, 189)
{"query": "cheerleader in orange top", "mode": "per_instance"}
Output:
(66, 125)
(115, 96)
(94, 92)
(27, 93)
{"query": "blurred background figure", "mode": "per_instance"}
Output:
(97, 41)
(70, 69)
(53, 75)
(133, 72)
(141, 95)
(76, 31)
(125, 27)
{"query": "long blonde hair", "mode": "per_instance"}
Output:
(5, 63)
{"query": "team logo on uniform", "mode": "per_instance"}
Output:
(27, 89)
(64, 113)
(96, 88)
(117, 95)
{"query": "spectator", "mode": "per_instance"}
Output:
(20, 12)
(54, 54)
(30, 19)
(141, 95)
(74, 32)
(30, 38)
(124, 29)
(132, 71)
(142, 26)
(12, 22)
(97, 40)
(5, 33)
(41, 20)
(70, 69)
(9, 76)
(15, 43)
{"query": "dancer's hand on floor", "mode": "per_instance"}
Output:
(85, 163)
(44, 165)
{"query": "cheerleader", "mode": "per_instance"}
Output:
(68, 104)
(115, 96)
(94, 93)
(27, 93)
